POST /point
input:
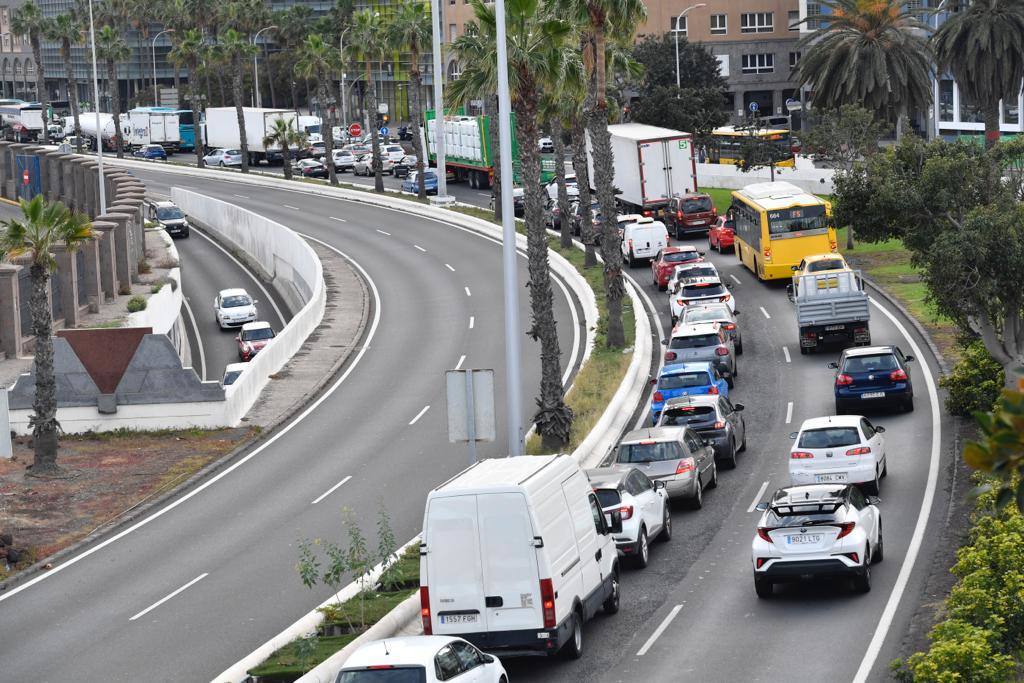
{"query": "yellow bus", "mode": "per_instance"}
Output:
(727, 141)
(778, 225)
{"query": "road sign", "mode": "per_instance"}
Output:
(355, 130)
(25, 177)
(383, 130)
(753, 107)
(470, 401)
(793, 105)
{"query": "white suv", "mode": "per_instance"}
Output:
(643, 505)
(842, 449)
(820, 530)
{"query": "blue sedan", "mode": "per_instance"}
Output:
(151, 152)
(686, 379)
(412, 185)
(873, 376)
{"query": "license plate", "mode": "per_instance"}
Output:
(803, 539)
(833, 328)
(460, 618)
(836, 477)
(873, 394)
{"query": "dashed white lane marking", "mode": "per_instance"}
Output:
(472, 321)
(383, 233)
(289, 206)
(168, 597)
(734, 278)
(658, 631)
(468, 293)
(419, 415)
(335, 218)
(462, 358)
(765, 313)
(785, 352)
(757, 497)
(420, 248)
(789, 412)
(242, 196)
(331, 490)
(448, 266)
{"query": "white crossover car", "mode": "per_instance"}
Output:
(642, 503)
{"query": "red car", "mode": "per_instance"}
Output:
(668, 258)
(722, 234)
(252, 339)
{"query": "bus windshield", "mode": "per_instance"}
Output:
(799, 219)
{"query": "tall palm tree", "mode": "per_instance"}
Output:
(367, 46)
(236, 49)
(28, 20)
(871, 53)
(66, 29)
(982, 46)
(319, 61)
(293, 24)
(410, 31)
(600, 20)
(282, 132)
(113, 49)
(44, 225)
(178, 16)
(537, 55)
(190, 51)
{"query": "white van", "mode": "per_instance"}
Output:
(516, 555)
(642, 238)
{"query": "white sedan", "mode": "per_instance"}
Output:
(234, 308)
(223, 157)
(421, 659)
(841, 449)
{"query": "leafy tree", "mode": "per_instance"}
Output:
(367, 46)
(286, 135)
(981, 46)
(66, 29)
(318, 61)
(43, 226)
(695, 110)
(698, 68)
(190, 51)
(975, 382)
(28, 20)
(1000, 450)
(236, 49)
(409, 29)
(112, 48)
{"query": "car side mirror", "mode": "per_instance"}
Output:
(701, 253)
(704, 442)
(761, 507)
(488, 659)
(833, 365)
(739, 407)
(874, 500)
(880, 430)
(794, 268)
(736, 312)
(664, 342)
(615, 526)
(793, 435)
(909, 359)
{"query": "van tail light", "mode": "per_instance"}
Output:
(670, 355)
(718, 425)
(899, 375)
(547, 602)
(844, 529)
(762, 531)
(658, 397)
(626, 511)
(800, 455)
(681, 302)
(833, 246)
(713, 390)
(858, 451)
(685, 465)
(425, 610)
(843, 380)
(721, 351)
(648, 213)
(630, 244)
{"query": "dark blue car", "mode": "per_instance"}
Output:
(685, 379)
(872, 377)
(151, 152)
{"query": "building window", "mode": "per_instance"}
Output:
(794, 20)
(723, 65)
(914, 5)
(681, 26)
(813, 9)
(794, 59)
(761, 63)
(757, 22)
(946, 100)
(453, 33)
(969, 112)
(719, 24)
(1011, 112)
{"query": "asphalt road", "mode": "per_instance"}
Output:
(192, 587)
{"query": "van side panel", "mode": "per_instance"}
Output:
(588, 571)
(454, 567)
(560, 551)
(511, 578)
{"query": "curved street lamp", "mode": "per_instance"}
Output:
(256, 101)
(156, 93)
(679, 20)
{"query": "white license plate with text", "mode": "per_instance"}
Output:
(873, 394)
(835, 477)
(460, 618)
(803, 539)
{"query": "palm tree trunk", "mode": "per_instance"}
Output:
(44, 97)
(495, 145)
(295, 95)
(992, 131)
(579, 165)
(378, 176)
(565, 227)
(44, 406)
(286, 160)
(220, 84)
(197, 132)
(597, 124)
(69, 74)
(236, 90)
(326, 128)
(177, 81)
(554, 417)
(270, 75)
(414, 123)
(115, 92)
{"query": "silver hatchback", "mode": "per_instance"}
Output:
(703, 343)
(676, 455)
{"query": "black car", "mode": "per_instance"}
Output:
(404, 166)
(713, 417)
(310, 168)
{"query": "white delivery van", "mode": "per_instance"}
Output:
(516, 555)
(643, 239)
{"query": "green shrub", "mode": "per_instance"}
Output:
(975, 382)
(156, 288)
(136, 304)
(960, 652)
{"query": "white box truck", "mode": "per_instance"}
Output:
(516, 555)
(222, 130)
(154, 126)
(651, 166)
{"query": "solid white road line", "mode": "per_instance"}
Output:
(449, 267)
(242, 196)
(420, 248)
(331, 490)
(757, 497)
(789, 412)
(468, 293)
(734, 278)
(785, 352)
(199, 339)
(340, 220)
(419, 415)
(383, 233)
(462, 358)
(658, 631)
(472, 321)
(241, 461)
(165, 599)
(765, 313)
(914, 547)
(289, 206)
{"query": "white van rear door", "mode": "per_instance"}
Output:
(511, 577)
(454, 577)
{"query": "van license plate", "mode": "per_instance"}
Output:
(460, 618)
(873, 394)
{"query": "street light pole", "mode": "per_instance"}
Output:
(156, 92)
(679, 20)
(442, 173)
(96, 106)
(256, 101)
(344, 98)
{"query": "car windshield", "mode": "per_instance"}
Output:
(699, 289)
(684, 380)
(798, 219)
(710, 314)
(680, 256)
(234, 152)
(395, 148)
(608, 497)
(870, 363)
(680, 417)
(829, 437)
(694, 341)
(649, 451)
(398, 674)
(697, 205)
(825, 264)
(259, 333)
(169, 213)
(235, 300)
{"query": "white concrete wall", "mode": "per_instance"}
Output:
(163, 308)
(139, 417)
(804, 176)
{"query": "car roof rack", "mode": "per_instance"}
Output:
(807, 507)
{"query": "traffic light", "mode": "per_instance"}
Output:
(386, 118)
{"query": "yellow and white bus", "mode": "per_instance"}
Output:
(727, 142)
(778, 225)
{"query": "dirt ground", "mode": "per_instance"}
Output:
(105, 476)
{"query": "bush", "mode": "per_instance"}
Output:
(959, 652)
(136, 304)
(156, 288)
(975, 382)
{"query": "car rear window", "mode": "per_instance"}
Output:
(702, 271)
(703, 315)
(703, 289)
(653, 451)
(398, 674)
(261, 333)
(829, 437)
(608, 497)
(684, 380)
(680, 256)
(826, 264)
(870, 363)
(697, 341)
(697, 205)
(680, 417)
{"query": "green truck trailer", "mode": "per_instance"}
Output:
(468, 153)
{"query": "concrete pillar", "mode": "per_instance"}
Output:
(67, 271)
(81, 185)
(134, 235)
(54, 176)
(107, 244)
(93, 286)
(14, 181)
(68, 180)
(5, 166)
(127, 266)
(10, 310)
(92, 206)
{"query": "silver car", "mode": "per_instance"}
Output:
(703, 343)
(715, 313)
(714, 418)
(223, 157)
(676, 455)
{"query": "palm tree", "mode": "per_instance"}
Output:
(981, 46)
(410, 30)
(599, 18)
(367, 46)
(283, 133)
(28, 20)
(190, 51)
(870, 53)
(112, 48)
(537, 57)
(293, 24)
(66, 30)
(45, 224)
(318, 61)
(177, 15)
(236, 48)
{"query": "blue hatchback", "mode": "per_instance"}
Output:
(686, 379)
(411, 183)
(873, 376)
(151, 152)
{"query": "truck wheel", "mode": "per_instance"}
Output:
(574, 648)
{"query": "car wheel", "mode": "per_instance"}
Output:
(574, 648)
(739, 349)
(872, 487)
(763, 587)
(877, 555)
(642, 557)
(631, 262)
(730, 381)
(735, 370)
(885, 467)
(730, 462)
(697, 502)
(713, 484)
(908, 407)
(666, 525)
(611, 603)
(221, 164)
(804, 350)
(743, 446)
(862, 582)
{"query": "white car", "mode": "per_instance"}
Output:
(643, 505)
(572, 188)
(234, 308)
(344, 160)
(546, 146)
(643, 238)
(842, 449)
(820, 530)
(223, 157)
(393, 152)
(685, 271)
(232, 372)
(704, 290)
(421, 659)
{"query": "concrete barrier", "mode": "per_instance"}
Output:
(804, 175)
(163, 309)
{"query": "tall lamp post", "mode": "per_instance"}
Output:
(344, 105)
(435, 20)
(677, 31)
(96, 106)
(156, 92)
(257, 102)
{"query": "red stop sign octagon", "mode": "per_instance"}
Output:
(355, 130)
(25, 177)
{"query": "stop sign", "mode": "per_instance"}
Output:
(25, 177)
(355, 130)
